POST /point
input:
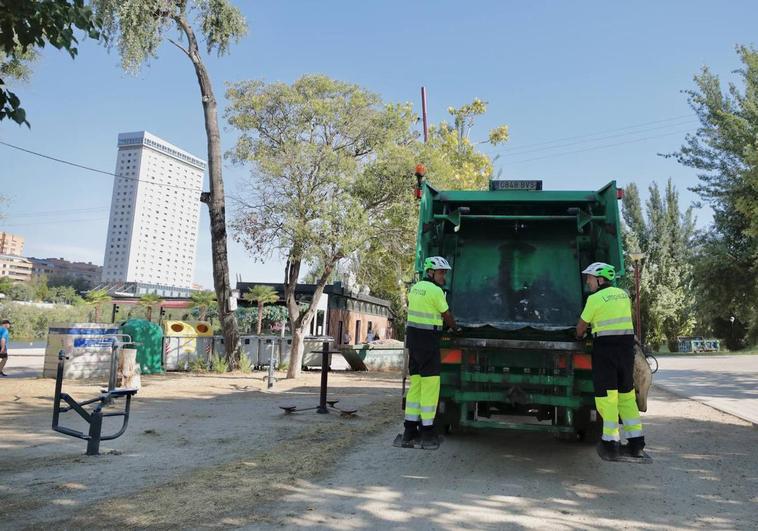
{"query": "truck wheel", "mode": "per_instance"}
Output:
(447, 420)
(588, 430)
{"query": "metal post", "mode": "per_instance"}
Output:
(58, 387)
(637, 299)
(423, 114)
(324, 378)
(114, 366)
(271, 362)
(95, 429)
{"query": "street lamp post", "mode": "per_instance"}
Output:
(637, 260)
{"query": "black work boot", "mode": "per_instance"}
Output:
(429, 438)
(609, 449)
(635, 446)
(410, 433)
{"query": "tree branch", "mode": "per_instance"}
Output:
(182, 48)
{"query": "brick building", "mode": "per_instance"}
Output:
(341, 313)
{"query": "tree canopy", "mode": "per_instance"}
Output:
(724, 151)
(665, 236)
(331, 164)
(26, 25)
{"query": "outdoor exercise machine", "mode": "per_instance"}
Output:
(93, 417)
(323, 404)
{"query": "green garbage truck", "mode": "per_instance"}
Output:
(516, 289)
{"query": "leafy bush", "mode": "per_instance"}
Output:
(245, 365)
(31, 322)
(198, 365)
(219, 364)
(272, 316)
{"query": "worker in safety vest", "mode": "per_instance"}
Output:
(427, 313)
(609, 311)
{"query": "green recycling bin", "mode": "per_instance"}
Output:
(149, 339)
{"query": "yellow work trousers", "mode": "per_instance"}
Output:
(421, 400)
(615, 405)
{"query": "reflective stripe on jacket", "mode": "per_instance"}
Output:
(609, 311)
(426, 304)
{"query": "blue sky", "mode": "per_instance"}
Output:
(610, 73)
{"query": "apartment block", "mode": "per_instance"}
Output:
(155, 213)
(11, 244)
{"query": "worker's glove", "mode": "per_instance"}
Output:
(457, 331)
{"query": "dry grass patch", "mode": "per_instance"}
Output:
(230, 495)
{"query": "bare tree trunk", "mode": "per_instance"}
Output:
(260, 318)
(215, 200)
(296, 352)
(299, 322)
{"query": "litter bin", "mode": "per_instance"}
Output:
(249, 347)
(180, 345)
(149, 339)
(204, 342)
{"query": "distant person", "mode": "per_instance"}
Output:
(346, 338)
(609, 311)
(370, 336)
(5, 339)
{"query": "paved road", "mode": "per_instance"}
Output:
(727, 383)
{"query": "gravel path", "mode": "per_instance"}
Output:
(704, 475)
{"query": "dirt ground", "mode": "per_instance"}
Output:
(198, 448)
(216, 451)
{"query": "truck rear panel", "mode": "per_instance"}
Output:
(517, 291)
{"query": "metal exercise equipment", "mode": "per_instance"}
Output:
(93, 417)
(324, 404)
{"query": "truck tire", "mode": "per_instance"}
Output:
(588, 430)
(448, 417)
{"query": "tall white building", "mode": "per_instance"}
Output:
(155, 211)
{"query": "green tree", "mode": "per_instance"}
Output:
(21, 291)
(262, 295)
(39, 287)
(202, 301)
(31, 322)
(665, 238)
(64, 295)
(96, 298)
(140, 27)
(725, 153)
(26, 25)
(453, 160)
(5, 285)
(148, 301)
(329, 160)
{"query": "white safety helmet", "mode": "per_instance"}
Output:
(600, 269)
(436, 262)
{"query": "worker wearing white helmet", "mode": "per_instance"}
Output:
(609, 311)
(428, 312)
